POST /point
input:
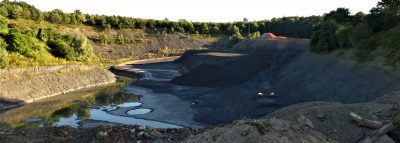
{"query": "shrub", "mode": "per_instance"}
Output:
(363, 40)
(255, 35)
(362, 37)
(391, 41)
(82, 49)
(3, 54)
(3, 25)
(60, 48)
(71, 48)
(17, 42)
(323, 39)
(343, 36)
(103, 39)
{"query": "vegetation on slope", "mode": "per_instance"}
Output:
(368, 36)
(35, 47)
(28, 36)
(288, 26)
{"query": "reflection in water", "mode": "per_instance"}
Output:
(71, 121)
(138, 111)
(95, 108)
(101, 115)
(130, 104)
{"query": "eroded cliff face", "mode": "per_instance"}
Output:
(32, 84)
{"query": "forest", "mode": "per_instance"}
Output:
(366, 37)
(299, 27)
(47, 46)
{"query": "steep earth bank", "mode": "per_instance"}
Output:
(32, 84)
(151, 46)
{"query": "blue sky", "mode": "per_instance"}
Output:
(205, 10)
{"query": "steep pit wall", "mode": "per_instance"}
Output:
(32, 84)
(308, 76)
(297, 75)
(333, 78)
(291, 72)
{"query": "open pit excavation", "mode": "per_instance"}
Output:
(220, 73)
(210, 87)
(215, 87)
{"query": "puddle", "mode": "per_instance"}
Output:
(95, 106)
(72, 121)
(101, 115)
(138, 111)
(130, 104)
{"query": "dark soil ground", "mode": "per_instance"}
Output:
(100, 134)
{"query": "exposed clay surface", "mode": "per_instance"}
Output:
(32, 84)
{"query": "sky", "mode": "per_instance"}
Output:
(205, 10)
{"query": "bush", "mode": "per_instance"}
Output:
(363, 37)
(3, 54)
(391, 40)
(323, 39)
(363, 40)
(343, 36)
(3, 25)
(255, 35)
(60, 48)
(20, 43)
(71, 48)
(82, 49)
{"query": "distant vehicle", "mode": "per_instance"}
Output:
(267, 94)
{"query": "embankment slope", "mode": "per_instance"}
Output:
(32, 84)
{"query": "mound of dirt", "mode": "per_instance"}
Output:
(315, 122)
(126, 134)
(261, 131)
(268, 36)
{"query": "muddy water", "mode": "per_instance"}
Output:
(91, 106)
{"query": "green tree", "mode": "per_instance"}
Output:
(56, 16)
(340, 15)
(323, 39)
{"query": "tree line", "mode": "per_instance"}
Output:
(367, 35)
(298, 27)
